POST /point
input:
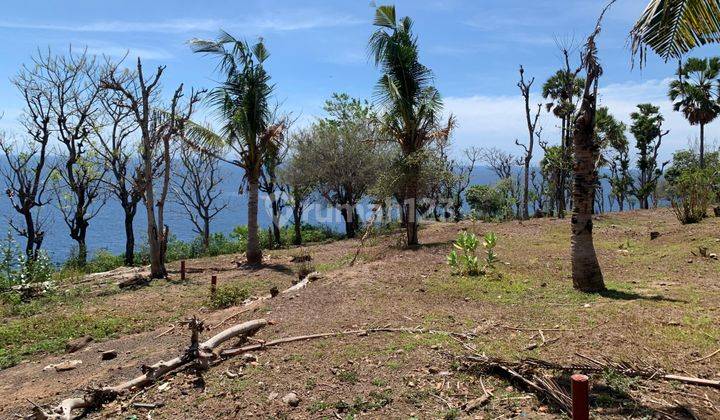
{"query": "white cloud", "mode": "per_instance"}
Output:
(290, 22)
(119, 51)
(488, 121)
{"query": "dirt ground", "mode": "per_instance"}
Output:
(661, 310)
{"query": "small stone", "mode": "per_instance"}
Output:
(63, 366)
(78, 344)
(587, 305)
(291, 399)
(108, 355)
(249, 357)
(713, 256)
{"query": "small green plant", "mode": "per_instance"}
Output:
(489, 243)
(466, 262)
(227, 296)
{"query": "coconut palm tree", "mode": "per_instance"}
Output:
(410, 102)
(695, 93)
(671, 28)
(242, 101)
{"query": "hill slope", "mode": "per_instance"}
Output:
(661, 309)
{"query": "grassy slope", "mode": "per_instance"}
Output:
(661, 307)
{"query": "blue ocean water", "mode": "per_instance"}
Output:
(106, 230)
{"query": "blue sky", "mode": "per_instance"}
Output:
(319, 47)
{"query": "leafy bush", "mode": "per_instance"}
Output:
(228, 295)
(467, 263)
(104, 260)
(17, 270)
(691, 194)
(491, 202)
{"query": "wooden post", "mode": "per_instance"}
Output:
(213, 285)
(580, 397)
(182, 270)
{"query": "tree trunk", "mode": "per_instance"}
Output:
(348, 213)
(276, 220)
(410, 205)
(702, 146)
(31, 251)
(253, 253)
(157, 260)
(586, 272)
(82, 251)
(206, 233)
(129, 238)
(297, 223)
(526, 186)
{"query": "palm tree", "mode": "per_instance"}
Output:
(242, 102)
(695, 93)
(671, 28)
(410, 102)
(563, 88)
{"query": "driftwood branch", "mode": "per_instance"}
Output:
(197, 352)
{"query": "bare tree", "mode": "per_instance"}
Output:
(158, 127)
(75, 79)
(195, 188)
(118, 151)
(461, 177)
(27, 174)
(532, 126)
(500, 162)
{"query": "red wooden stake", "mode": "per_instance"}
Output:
(213, 285)
(580, 397)
(182, 270)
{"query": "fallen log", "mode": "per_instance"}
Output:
(196, 352)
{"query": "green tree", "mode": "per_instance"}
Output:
(411, 104)
(242, 101)
(647, 128)
(695, 93)
(341, 156)
(613, 152)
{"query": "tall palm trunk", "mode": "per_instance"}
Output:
(586, 272)
(253, 253)
(702, 146)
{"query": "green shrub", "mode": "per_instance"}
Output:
(17, 270)
(491, 202)
(104, 260)
(467, 262)
(691, 194)
(228, 295)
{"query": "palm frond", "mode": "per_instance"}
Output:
(671, 28)
(385, 17)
